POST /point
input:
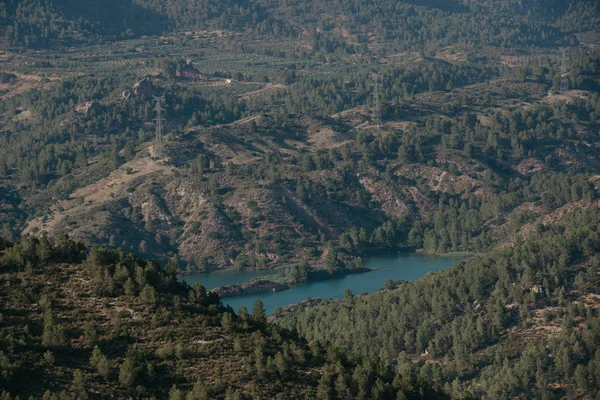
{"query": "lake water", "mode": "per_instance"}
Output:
(407, 266)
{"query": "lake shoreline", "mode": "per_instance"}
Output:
(404, 266)
(266, 284)
(374, 252)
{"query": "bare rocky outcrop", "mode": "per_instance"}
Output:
(89, 107)
(144, 88)
(188, 71)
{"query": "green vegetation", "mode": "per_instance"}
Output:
(328, 25)
(272, 160)
(99, 323)
(452, 170)
(520, 321)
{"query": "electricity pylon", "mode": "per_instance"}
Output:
(159, 122)
(376, 106)
(564, 80)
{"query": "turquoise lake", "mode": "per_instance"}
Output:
(407, 266)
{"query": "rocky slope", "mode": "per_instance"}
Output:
(105, 324)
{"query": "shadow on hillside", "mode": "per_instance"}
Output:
(122, 18)
(449, 5)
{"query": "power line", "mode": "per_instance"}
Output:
(159, 122)
(376, 107)
(564, 79)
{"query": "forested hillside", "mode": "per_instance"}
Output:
(469, 155)
(299, 137)
(521, 321)
(425, 23)
(78, 324)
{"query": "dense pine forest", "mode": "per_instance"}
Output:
(300, 138)
(99, 323)
(518, 322)
(405, 24)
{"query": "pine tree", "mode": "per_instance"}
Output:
(148, 295)
(324, 390)
(175, 393)
(331, 261)
(128, 372)
(227, 322)
(258, 312)
(100, 362)
(198, 392)
(78, 384)
(54, 333)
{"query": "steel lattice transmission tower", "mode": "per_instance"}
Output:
(376, 106)
(564, 80)
(159, 122)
